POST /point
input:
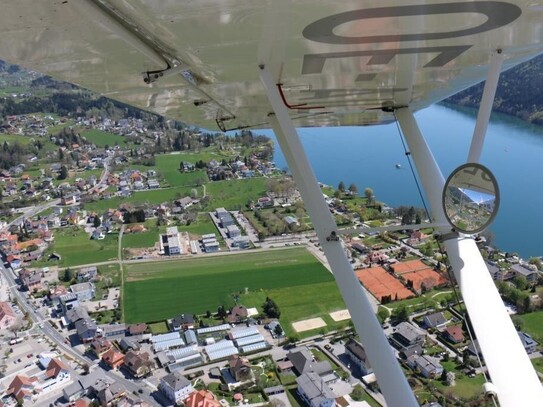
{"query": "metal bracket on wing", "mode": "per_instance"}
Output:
(153, 76)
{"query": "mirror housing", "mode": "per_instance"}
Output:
(470, 198)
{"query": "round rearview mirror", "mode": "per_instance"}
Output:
(471, 198)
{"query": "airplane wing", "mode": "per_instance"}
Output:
(336, 63)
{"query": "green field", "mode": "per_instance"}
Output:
(76, 248)
(168, 166)
(234, 194)
(155, 196)
(159, 290)
(102, 138)
(532, 324)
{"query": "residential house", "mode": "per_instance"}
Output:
(138, 364)
(86, 330)
(526, 270)
(55, 293)
(170, 243)
(434, 320)
(111, 330)
(428, 366)
(358, 356)
(291, 220)
(82, 385)
(240, 368)
(7, 317)
(225, 219)
(182, 322)
(86, 274)
(303, 361)
(528, 342)
(233, 231)
(31, 280)
(83, 291)
(411, 350)
(99, 346)
(137, 329)
(76, 314)
(175, 387)
(454, 334)
(14, 261)
(22, 387)
(238, 314)
(201, 398)
(314, 391)
(56, 373)
(110, 395)
(265, 202)
(68, 302)
(98, 234)
(113, 359)
(241, 242)
(406, 335)
(130, 343)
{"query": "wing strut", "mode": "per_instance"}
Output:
(391, 379)
(514, 378)
(485, 108)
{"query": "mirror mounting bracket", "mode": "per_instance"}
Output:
(442, 237)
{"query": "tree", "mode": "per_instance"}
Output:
(536, 261)
(97, 222)
(382, 314)
(400, 314)
(353, 189)
(443, 377)
(368, 193)
(278, 330)
(67, 275)
(341, 186)
(63, 174)
(181, 166)
(271, 309)
(520, 282)
(221, 311)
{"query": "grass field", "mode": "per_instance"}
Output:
(155, 196)
(168, 166)
(234, 194)
(533, 324)
(102, 138)
(76, 248)
(160, 290)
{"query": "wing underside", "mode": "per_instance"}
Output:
(336, 63)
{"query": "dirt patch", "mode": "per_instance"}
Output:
(341, 315)
(308, 324)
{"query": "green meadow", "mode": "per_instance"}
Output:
(299, 284)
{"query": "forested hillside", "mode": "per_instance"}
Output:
(519, 93)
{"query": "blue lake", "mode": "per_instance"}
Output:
(368, 157)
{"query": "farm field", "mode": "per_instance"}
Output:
(155, 291)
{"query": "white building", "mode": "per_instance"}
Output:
(175, 387)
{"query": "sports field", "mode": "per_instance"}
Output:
(380, 283)
(159, 290)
